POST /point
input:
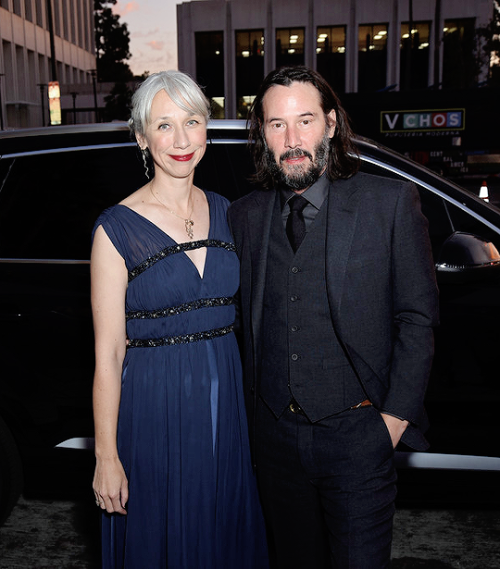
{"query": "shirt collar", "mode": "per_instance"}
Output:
(315, 194)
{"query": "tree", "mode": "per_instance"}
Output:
(118, 103)
(112, 40)
(490, 36)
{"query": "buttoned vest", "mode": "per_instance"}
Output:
(301, 355)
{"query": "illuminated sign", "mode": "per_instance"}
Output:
(54, 103)
(422, 121)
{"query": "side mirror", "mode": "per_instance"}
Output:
(467, 257)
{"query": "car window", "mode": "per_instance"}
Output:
(49, 202)
(433, 207)
(444, 216)
(226, 169)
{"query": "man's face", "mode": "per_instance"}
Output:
(297, 135)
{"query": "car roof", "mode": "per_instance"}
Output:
(117, 132)
(98, 135)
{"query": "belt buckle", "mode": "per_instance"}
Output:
(295, 408)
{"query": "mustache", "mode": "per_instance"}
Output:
(295, 153)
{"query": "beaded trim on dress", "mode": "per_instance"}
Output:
(179, 248)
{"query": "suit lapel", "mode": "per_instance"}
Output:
(343, 206)
(259, 220)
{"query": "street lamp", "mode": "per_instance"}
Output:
(74, 94)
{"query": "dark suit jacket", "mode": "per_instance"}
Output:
(380, 283)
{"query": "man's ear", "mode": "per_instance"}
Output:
(331, 119)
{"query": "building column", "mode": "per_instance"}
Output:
(229, 65)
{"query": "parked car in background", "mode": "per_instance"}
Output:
(54, 182)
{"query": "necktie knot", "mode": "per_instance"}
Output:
(295, 224)
(297, 203)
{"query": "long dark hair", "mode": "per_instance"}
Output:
(343, 160)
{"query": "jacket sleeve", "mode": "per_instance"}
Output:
(414, 309)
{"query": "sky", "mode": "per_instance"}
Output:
(153, 33)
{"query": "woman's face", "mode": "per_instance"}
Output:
(176, 138)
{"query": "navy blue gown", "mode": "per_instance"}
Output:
(182, 430)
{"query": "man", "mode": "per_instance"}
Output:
(337, 328)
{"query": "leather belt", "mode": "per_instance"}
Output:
(365, 403)
(297, 409)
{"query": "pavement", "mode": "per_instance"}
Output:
(64, 534)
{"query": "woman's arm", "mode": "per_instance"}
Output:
(108, 288)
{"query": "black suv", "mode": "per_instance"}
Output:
(54, 182)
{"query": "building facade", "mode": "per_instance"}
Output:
(358, 45)
(44, 41)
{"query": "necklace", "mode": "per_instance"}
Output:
(188, 222)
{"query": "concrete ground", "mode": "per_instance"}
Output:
(53, 534)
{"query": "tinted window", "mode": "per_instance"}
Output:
(433, 207)
(226, 169)
(49, 202)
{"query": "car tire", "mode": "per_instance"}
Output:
(11, 472)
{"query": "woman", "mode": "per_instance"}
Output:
(173, 471)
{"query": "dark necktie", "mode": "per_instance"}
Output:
(295, 225)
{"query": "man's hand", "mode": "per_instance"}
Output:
(395, 426)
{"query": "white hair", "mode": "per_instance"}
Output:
(180, 87)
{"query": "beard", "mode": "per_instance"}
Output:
(298, 177)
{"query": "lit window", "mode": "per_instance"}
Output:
(330, 55)
(372, 57)
(290, 46)
(414, 59)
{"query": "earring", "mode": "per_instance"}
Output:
(145, 161)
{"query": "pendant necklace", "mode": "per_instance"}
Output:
(188, 222)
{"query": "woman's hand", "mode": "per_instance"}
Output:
(110, 485)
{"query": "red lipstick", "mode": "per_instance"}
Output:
(183, 158)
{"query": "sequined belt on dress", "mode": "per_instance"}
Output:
(183, 339)
(173, 310)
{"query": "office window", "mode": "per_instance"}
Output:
(210, 68)
(39, 12)
(28, 12)
(17, 7)
(414, 60)
(249, 68)
(42, 69)
(72, 23)
(21, 73)
(31, 85)
(290, 46)
(372, 57)
(87, 42)
(4, 4)
(81, 29)
(8, 69)
(459, 66)
(330, 56)
(56, 18)
(65, 18)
